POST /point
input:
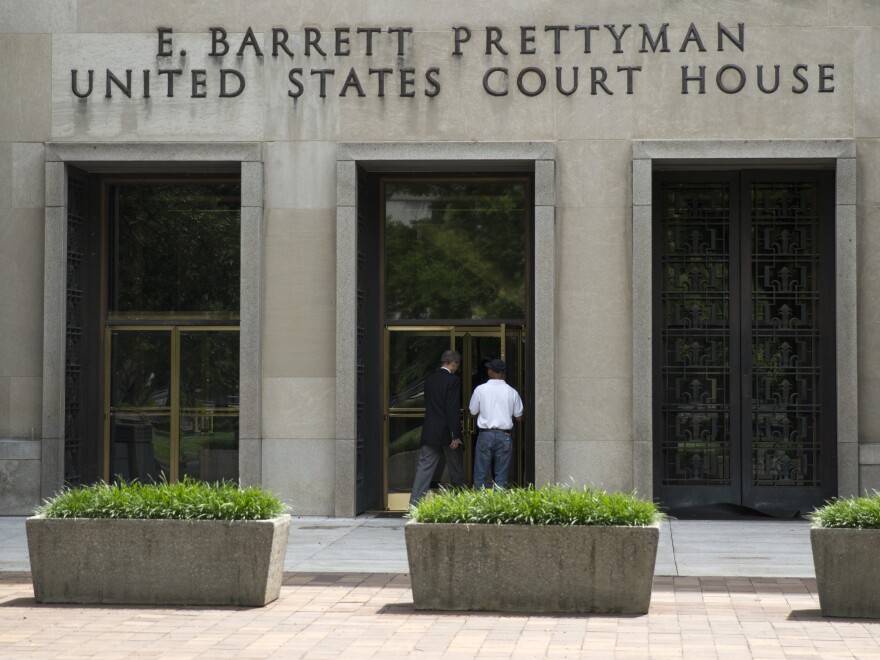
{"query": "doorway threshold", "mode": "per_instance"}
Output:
(387, 514)
(724, 511)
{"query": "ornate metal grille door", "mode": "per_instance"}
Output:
(75, 391)
(743, 341)
(82, 405)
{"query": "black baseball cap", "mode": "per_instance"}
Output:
(496, 365)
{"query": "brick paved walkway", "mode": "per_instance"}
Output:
(371, 615)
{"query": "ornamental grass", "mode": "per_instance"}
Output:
(852, 512)
(187, 499)
(548, 505)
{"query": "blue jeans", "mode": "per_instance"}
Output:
(496, 445)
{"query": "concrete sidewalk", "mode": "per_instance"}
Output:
(346, 594)
(371, 544)
(355, 615)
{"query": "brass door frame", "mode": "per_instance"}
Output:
(400, 501)
(173, 410)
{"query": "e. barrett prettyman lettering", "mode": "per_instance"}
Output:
(323, 52)
(583, 34)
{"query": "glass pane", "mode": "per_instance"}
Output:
(175, 248)
(404, 447)
(139, 446)
(209, 404)
(513, 348)
(482, 350)
(411, 357)
(140, 369)
(209, 369)
(209, 445)
(455, 250)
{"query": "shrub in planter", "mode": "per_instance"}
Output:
(846, 543)
(187, 543)
(552, 549)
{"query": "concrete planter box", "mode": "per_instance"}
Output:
(157, 562)
(847, 571)
(532, 568)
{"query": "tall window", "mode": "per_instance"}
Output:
(171, 337)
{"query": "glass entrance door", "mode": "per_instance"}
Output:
(452, 271)
(171, 403)
(477, 346)
(171, 330)
(411, 353)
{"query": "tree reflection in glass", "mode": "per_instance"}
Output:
(455, 249)
(412, 356)
(140, 404)
(175, 248)
(209, 367)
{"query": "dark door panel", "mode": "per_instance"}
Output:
(743, 349)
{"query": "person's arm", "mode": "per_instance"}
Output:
(474, 407)
(517, 407)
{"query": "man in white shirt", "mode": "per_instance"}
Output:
(495, 405)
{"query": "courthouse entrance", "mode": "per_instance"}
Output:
(152, 327)
(411, 354)
(744, 343)
(445, 264)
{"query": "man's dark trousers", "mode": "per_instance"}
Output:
(442, 425)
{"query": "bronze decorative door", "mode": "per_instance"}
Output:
(744, 384)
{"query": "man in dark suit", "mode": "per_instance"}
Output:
(441, 431)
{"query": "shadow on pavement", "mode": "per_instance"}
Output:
(410, 609)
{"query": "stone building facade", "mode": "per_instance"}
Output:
(660, 214)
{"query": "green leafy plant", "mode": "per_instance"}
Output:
(854, 512)
(548, 505)
(184, 500)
